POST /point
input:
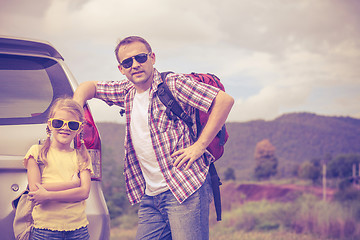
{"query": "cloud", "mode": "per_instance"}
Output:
(272, 56)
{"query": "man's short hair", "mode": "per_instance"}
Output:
(129, 40)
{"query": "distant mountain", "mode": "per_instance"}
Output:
(297, 137)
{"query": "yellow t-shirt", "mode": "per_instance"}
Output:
(55, 215)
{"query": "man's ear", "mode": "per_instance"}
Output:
(120, 68)
(153, 58)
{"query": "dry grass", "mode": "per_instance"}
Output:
(241, 235)
(129, 234)
(305, 217)
(122, 234)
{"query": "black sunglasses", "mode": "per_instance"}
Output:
(59, 123)
(140, 58)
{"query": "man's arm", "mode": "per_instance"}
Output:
(219, 112)
(85, 91)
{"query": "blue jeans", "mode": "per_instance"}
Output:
(45, 234)
(162, 217)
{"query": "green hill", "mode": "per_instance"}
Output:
(297, 137)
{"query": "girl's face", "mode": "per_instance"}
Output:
(63, 137)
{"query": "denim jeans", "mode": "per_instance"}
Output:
(45, 234)
(162, 217)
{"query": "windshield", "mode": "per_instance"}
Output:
(28, 85)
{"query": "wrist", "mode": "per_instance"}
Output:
(49, 195)
(201, 145)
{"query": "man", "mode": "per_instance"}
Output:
(164, 169)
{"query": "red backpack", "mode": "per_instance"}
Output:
(216, 147)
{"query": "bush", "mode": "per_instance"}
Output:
(341, 166)
(310, 170)
(229, 174)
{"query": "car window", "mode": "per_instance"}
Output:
(28, 85)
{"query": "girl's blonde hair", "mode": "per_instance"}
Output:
(70, 105)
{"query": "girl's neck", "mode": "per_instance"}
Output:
(61, 147)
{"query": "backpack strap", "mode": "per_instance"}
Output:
(221, 135)
(215, 185)
(172, 105)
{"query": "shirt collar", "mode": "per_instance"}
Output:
(156, 80)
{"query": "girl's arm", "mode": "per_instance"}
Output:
(69, 195)
(34, 177)
(58, 186)
(33, 174)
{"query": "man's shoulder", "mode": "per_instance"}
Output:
(172, 78)
(116, 82)
(125, 84)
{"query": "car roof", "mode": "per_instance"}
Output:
(15, 45)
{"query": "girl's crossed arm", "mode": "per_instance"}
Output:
(34, 177)
(69, 195)
(72, 191)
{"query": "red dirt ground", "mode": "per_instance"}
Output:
(236, 193)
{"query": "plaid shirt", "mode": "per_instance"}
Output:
(167, 135)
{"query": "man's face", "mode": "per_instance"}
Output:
(141, 74)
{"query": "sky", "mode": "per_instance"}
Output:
(273, 56)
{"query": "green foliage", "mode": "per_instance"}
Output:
(265, 160)
(310, 170)
(113, 181)
(113, 185)
(348, 195)
(126, 221)
(266, 169)
(229, 174)
(341, 166)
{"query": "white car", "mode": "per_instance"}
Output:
(32, 75)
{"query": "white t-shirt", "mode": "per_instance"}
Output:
(140, 134)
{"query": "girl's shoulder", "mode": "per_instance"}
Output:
(33, 152)
(82, 163)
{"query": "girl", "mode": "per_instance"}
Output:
(59, 176)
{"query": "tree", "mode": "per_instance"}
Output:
(341, 166)
(265, 160)
(310, 170)
(229, 174)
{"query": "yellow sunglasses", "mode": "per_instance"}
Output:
(59, 123)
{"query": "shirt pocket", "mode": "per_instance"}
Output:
(163, 123)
